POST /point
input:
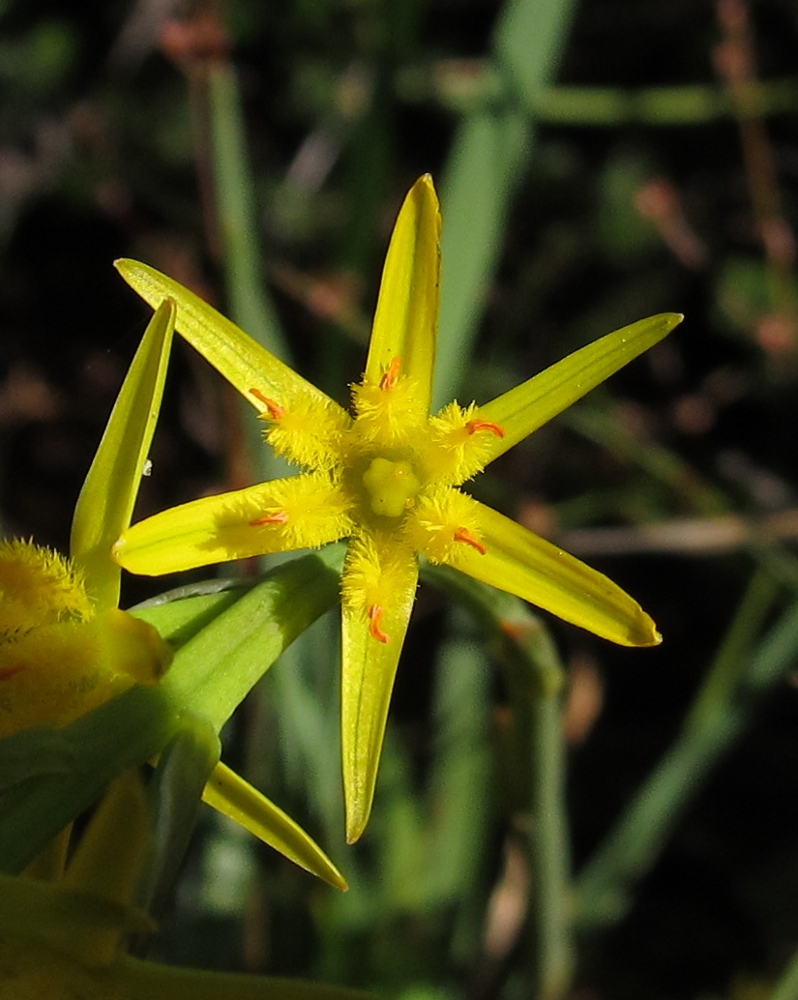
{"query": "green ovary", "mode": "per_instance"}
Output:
(391, 486)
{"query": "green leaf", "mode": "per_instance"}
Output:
(124, 732)
(181, 613)
(488, 157)
(214, 671)
(176, 792)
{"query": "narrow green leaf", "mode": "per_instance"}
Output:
(124, 732)
(180, 614)
(491, 151)
(214, 671)
(237, 209)
(175, 791)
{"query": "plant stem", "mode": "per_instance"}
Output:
(535, 679)
(549, 854)
(236, 207)
(721, 711)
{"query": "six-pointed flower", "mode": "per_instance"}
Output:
(388, 477)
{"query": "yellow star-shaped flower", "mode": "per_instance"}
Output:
(387, 477)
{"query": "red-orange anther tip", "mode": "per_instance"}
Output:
(278, 517)
(7, 672)
(375, 614)
(464, 535)
(388, 380)
(485, 425)
(275, 410)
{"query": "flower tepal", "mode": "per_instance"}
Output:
(387, 476)
(58, 659)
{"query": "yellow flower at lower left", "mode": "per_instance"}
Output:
(58, 658)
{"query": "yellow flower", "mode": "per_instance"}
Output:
(58, 659)
(387, 477)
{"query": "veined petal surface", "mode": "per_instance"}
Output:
(283, 515)
(406, 320)
(239, 358)
(530, 567)
(532, 404)
(379, 588)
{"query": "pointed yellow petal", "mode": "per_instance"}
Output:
(379, 587)
(105, 504)
(227, 792)
(524, 409)
(280, 516)
(406, 320)
(528, 566)
(241, 360)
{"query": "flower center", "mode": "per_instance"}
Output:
(391, 486)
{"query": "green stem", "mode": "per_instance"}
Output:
(535, 680)
(236, 206)
(687, 104)
(549, 840)
(720, 713)
(235, 201)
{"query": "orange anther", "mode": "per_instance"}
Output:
(275, 410)
(375, 613)
(464, 535)
(388, 380)
(278, 517)
(7, 672)
(484, 425)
